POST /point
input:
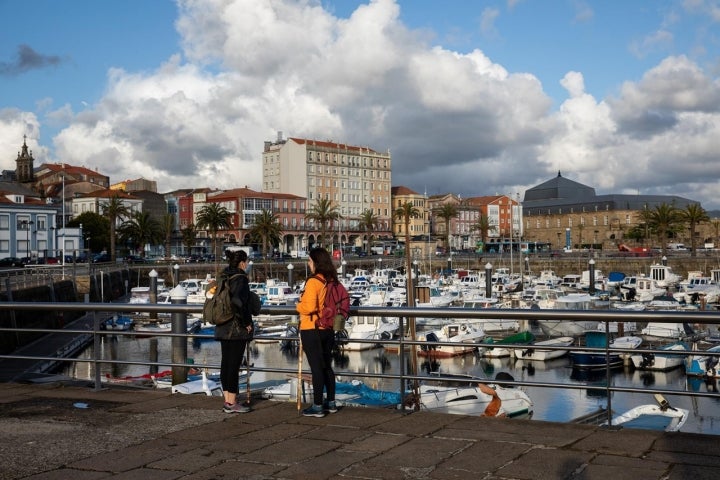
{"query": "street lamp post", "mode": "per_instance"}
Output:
(290, 274)
(176, 274)
(26, 225)
(591, 286)
(343, 267)
(416, 278)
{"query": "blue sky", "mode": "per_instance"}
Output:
(473, 97)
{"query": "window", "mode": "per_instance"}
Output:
(4, 222)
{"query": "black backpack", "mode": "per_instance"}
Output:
(219, 308)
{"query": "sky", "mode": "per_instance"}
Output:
(470, 97)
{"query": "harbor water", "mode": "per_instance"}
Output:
(551, 404)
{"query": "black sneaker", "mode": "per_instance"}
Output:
(314, 411)
(235, 408)
(330, 407)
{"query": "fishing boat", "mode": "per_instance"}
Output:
(539, 351)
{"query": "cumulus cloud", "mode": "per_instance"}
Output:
(454, 122)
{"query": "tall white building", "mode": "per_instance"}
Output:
(354, 178)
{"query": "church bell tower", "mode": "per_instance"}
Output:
(24, 169)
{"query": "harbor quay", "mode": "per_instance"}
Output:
(68, 430)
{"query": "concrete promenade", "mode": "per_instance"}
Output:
(69, 431)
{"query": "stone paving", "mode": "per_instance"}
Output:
(69, 431)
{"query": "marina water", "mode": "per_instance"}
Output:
(551, 404)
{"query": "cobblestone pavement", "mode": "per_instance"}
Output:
(70, 431)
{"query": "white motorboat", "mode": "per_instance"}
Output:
(370, 330)
(666, 331)
(570, 328)
(660, 361)
(464, 337)
(660, 416)
(641, 289)
(480, 399)
(537, 350)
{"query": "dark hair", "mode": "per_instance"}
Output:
(323, 263)
(234, 257)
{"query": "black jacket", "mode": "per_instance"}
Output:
(236, 329)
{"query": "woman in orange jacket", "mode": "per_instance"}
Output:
(317, 342)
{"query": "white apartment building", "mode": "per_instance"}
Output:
(354, 178)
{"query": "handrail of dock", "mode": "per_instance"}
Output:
(178, 311)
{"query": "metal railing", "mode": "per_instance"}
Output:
(178, 312)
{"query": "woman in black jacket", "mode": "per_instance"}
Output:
(235, 334)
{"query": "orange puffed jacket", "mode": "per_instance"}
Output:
(311, 301)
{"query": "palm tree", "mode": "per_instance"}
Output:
(483, 226)
(266, 229)
(694, 214)
(447, 212)
(322, 213)
(369, 222)
(189, 236)
(716, 228)
(140, 230)
(213, 217)
(114, 209)
(664, 219)
(407, 212)
(168, 227)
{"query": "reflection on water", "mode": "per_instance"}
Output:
(560, 405)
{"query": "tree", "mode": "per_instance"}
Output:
(407, 212)
(95, 230)
(213, 217)
(168, 227)
(266, 229)
(664, 219)
(114, 209)
(189, 236)
(140, 230)
(369, 222)
(447, 212)
(483, 226)
(694, 214)
(322, 213)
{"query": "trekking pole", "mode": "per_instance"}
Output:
(247, 370)
(299, 379)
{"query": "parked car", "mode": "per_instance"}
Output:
(101, 258)
(136, 259)
(11, 262)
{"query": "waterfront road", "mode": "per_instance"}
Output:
(67, 430)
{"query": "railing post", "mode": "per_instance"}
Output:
(97, 351)
(178, 296)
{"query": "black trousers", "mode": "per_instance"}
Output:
(232, 352)
(318, 345)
